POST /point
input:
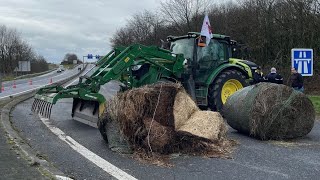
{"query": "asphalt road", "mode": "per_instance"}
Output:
(23, 85)
(252, 159)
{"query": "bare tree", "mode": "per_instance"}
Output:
(13, 49)
(180, 13)
(69, 57)
(145, 28)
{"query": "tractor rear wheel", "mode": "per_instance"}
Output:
(227, 83)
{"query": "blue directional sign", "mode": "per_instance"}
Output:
(97, 56)
(90, 56)
(302, 60)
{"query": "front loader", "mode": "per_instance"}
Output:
(120, 64)
(209, 74)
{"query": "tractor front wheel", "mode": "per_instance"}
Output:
(227, 83)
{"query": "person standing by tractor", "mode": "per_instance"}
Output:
(258, 76)
(274, 77)
(296, 80)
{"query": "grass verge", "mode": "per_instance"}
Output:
(316, 103)
(69, 66)
(8, 78)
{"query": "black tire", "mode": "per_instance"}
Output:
(102, 128)
(215, 89)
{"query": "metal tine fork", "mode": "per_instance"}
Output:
(42, 107)
(34, 105)
(47, 110)
(49, 115)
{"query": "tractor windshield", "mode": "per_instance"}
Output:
(210, 56)
(215, 51)
(183, 46)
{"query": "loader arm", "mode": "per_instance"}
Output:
(110, 67)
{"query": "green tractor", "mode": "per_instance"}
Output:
(209, 74)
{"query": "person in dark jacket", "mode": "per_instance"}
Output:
(274, 77)
(257, 76)
(296, 80)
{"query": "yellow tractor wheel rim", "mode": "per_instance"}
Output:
(230, 87)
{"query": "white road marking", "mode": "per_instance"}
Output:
(89, 155)
(58, 177)
(21, 92)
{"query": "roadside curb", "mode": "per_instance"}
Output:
(19, 142)
(13, 135)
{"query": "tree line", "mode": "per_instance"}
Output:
(266, 29)
(14, 49)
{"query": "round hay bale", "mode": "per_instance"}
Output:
(183, 108)
(160, 102)
(270, 111)
(205, 124)
(133, 108)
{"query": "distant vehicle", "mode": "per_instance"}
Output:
(59, 70)
(61, 67)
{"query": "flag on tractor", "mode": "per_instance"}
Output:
(206, 32)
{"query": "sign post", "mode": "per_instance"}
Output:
(302, 61)
(90, 56)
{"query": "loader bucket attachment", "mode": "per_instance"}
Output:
(87, 111)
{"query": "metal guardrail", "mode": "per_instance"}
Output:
(34, 74)
(59, 82)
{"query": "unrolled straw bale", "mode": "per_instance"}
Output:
(270, 111)
(205, 124)
(183, 108)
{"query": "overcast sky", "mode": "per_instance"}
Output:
(56, 27)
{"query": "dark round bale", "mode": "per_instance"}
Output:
(159, 138)
(134, 108)
(270, 111)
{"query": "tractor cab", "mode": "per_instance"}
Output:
(202, 59)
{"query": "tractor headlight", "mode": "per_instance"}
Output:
(136, 67)
(185, 62)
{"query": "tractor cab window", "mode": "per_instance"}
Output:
(215, 50)
(183, 46)
(212, 54)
